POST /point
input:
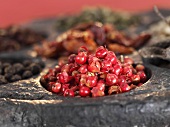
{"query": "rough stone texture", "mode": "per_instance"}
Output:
(107, 113)
(27, 104)
(160, 50)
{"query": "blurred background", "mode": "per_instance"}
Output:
(20, 11)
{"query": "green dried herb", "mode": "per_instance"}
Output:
(120, 20)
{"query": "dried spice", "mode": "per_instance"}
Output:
(121, 20)
(15, 38)
(160, 31)
(94, 75)
(14, 71)
(91, 35)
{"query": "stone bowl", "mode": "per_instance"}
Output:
(27, 103)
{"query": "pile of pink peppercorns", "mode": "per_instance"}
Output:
(94, 75)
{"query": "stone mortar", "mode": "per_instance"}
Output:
(27, 103)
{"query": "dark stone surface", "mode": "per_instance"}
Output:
(157, 54)
(27, 103)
